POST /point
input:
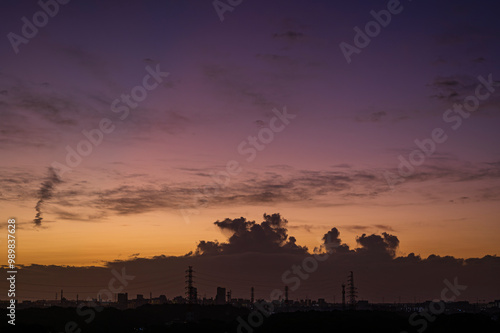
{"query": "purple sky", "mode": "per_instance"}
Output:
(138, 191)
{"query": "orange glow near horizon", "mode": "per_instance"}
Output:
(77, 243)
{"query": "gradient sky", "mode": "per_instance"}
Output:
(136, 194)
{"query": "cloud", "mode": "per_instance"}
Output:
(172, 122)
(253, 189)
(356, 227)
(479, 60)
(41, 101)
(453, 89)
(339, 186)
(385, 244)
(40, 115)
(90, 63)
(373, 117)
(342, 165)
(45, 193)
(289, 35)
(28, 116)
(333, 243)
(78, 215)
(383, 226)
(129, 199)
(277, 59)
(450, 170)
(16, 184)
(236, 83)
(464, 35)
(306, 227)
(269, 236)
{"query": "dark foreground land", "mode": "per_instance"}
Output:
(172, 318)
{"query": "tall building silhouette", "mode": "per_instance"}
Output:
(122, 300)
(220, 298)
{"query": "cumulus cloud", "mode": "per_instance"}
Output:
(385, 244)
(333, 243)
(269, 236)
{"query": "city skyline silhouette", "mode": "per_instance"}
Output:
(249, 166)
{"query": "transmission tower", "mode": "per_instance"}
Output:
(343, 296)
(352, 291)
(190, 289)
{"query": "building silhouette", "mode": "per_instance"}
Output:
(220, 298)
(123, 300)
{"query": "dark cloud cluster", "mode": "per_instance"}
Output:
(385, 244)
(269, 236)
(333, 243)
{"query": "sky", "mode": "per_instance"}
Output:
(130, 130)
